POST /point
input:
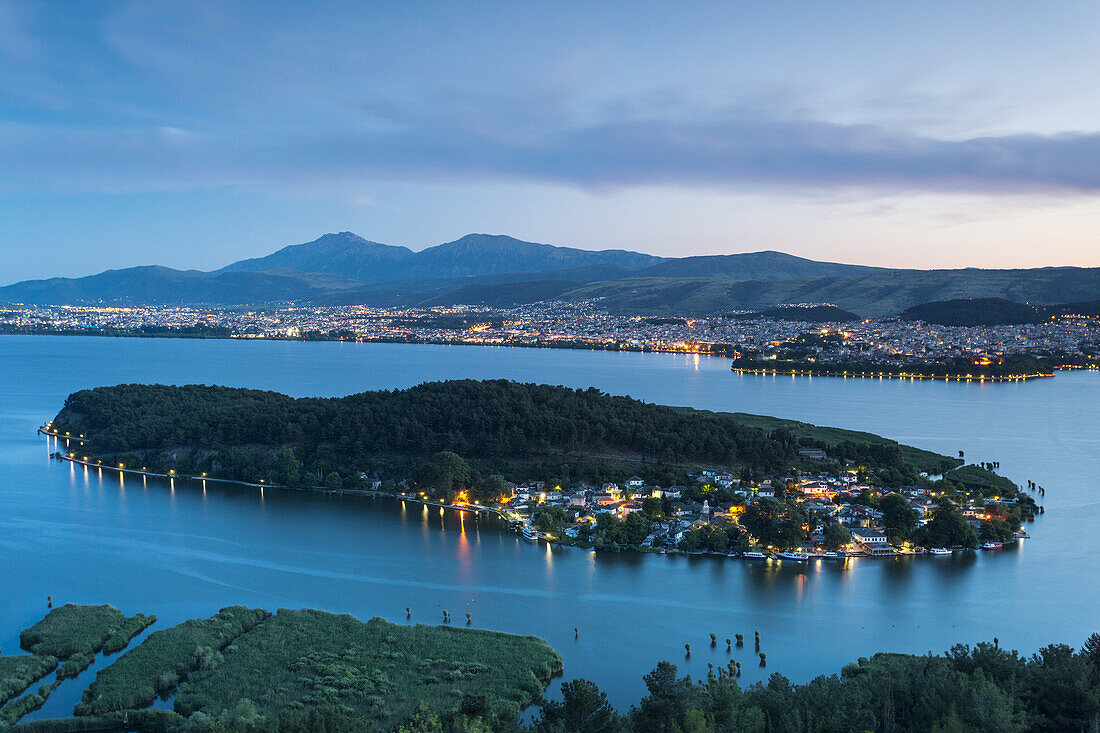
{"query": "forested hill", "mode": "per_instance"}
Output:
(974, 312)
(477, 419)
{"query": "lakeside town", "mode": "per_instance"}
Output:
(793, 517)
(1071, 340)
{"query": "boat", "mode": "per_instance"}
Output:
(530, 533)
(834, 555)
(796, 556)
(753, 555)
(993, 545)
(939, 551)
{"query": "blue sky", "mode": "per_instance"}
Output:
(192, 133)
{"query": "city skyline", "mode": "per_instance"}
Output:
(193, 135)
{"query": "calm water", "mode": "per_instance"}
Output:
(180, 552)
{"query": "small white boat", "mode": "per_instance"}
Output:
(753, 555)
(993, 545)
(795, 556)
(939, 551)
(834, 555)
(529, 532)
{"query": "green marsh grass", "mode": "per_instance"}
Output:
(19, 672)
(72, 630)
(381, 671)
(157, 664)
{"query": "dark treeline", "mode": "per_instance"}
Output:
(475, 419)
(984, 689)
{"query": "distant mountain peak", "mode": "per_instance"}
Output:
(345, 254)
(344, 268)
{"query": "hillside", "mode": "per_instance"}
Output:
(485, 254)
(154, 285)
(495, 296)
(973, 312)
(805, 314)
(876, 295)
(754, 266)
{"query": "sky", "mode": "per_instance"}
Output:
(193, 133)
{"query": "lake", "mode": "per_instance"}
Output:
(180, 551)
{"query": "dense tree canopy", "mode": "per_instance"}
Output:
(776, 523)
(983, 689)
(471, 418)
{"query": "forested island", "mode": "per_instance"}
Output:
(575, 466)
(500, 425)
(247, 670)
(501, 429)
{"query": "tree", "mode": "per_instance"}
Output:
(637, 526)
(333, 481)
(652, 506)
(446, 471)
(492, 487)
(550, 518)
(666, 703)
(610, 531)
(898, 516)
(948, 527)
(717, 540)
(1092, 650)
(836, 536)
(583, 709)
(776, 523)
(997, 530)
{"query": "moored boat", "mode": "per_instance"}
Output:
(530, 533)
(753, 555)
(834, 555)
(796, 556)
(939, 551)
(993, 545)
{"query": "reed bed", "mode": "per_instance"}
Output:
(72, 630)
(20, 671)
(377, 670)
(158, 664)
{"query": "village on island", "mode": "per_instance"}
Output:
(793, 517)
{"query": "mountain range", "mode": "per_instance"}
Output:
(501, 271)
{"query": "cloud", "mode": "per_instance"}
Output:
(149, 96)
(727, 151)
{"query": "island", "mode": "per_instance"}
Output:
(573, 466)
